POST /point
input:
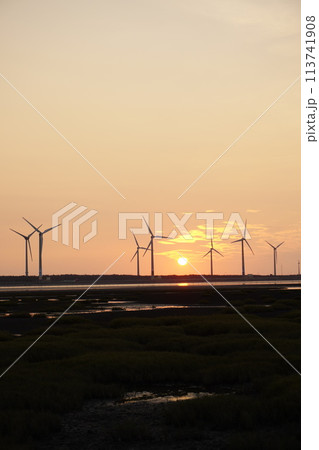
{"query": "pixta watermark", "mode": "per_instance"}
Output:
(234, 224)
(71, 218)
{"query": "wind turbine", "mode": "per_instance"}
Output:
(27, 244)
(211, 255)
(137, 254)
(151, 247)
(242, 240)
(41, 233)
(275, 255)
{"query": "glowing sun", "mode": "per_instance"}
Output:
(182, 261)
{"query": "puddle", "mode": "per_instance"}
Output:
(96, 306)
(293, 288)
(129, 308)
(151, 397)
(120, 302)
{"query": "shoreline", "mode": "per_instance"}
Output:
(75, 279)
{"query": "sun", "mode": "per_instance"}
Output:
(182, 261)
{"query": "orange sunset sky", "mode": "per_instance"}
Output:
(151, 92)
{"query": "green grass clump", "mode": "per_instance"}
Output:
(282, 438)
(243, 412)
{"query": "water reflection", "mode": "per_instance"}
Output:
(153, 397)
(146, 286)
(131, 307)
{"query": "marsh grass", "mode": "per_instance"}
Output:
(80, 359)
(267, 419)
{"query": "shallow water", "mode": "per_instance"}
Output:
(146, 286)
(152, 397)
(131, 307)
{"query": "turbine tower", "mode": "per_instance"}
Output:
(27, 248)
(242, 240)
(41, 233)
(151, 247)
(137, 254)
(211, 255)
(275, 255)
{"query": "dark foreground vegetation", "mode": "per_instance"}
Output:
(53, 397)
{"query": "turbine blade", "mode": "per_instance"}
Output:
(280, 244)
(238, 240)
(207, 253)
(33, 232)
(162, 237)
(49, 229)
(148, 227)
(147, 248)
(35, 228)
(30, 250)
(270, 244)
(211, 242)
(134, 255)
(217, 251)
(249, 246)
(19, 233)
(135, 239)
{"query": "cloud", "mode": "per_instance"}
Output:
(200, 243)
(272, 18)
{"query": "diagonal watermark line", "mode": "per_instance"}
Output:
(61, 135)
(244, 318)
(239, 137)
(58, 318)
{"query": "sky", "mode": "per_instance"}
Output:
(147, 94)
